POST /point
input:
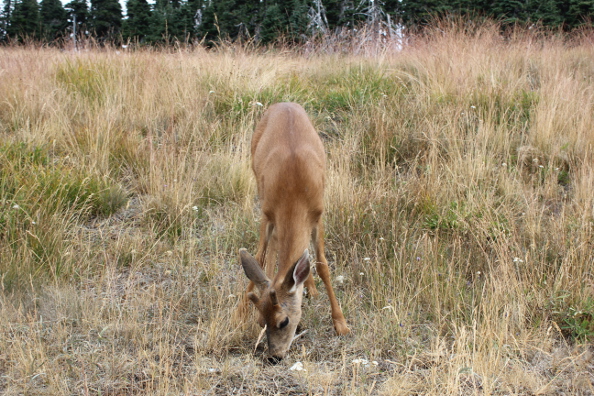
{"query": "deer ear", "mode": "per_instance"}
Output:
(298, 273)
(253, 270)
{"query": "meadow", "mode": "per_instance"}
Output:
(459, 217)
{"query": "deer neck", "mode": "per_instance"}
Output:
(293, 235)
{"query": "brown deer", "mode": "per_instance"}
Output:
(289, 162)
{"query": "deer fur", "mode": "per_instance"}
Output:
(289, 163)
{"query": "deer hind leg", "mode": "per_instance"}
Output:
(340, 324)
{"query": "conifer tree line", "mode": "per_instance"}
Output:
(168, 21)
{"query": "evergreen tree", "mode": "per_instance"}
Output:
(227, 19)
(136, 27)
(79, 10)
(418, 13)
(509, 11)
(185, 23)
(106, 19)
(273, 24)
(53, 18)
(207, 28)
(579, 13)
(334, 11)
(545, 11)
(24, 20)
(250, 13)
(173, 20)
(161, 22)
(349, 16)
(284, 18)
(393, 9)
(299, 21)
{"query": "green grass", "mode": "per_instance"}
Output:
(42, 196)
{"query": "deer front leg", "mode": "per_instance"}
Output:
(340, 324)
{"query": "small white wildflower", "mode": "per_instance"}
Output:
(33, 222)
(381, 238)
(473, 107)
(540, 166)
(340, 279)
(478, 272)
(15, 206)
(518, 260)
(366, 259)
(259, 104)
(211, 92)
(124, 46)
(363, 362)
(195, 208)
(298, 366)
(361, 274)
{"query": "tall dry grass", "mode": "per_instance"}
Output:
(458, 218)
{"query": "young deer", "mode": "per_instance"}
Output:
(289, 163)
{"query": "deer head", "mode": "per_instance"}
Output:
(279, 304)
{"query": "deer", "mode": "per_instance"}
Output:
(289, 163)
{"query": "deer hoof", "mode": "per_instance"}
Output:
(341, 327)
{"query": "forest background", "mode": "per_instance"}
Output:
(296, 21)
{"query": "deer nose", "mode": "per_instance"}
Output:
(274, 359)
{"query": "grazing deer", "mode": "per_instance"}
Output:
(289, 163)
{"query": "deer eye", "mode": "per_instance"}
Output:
(284, 323)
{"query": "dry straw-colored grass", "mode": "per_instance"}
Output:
(459, 218)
